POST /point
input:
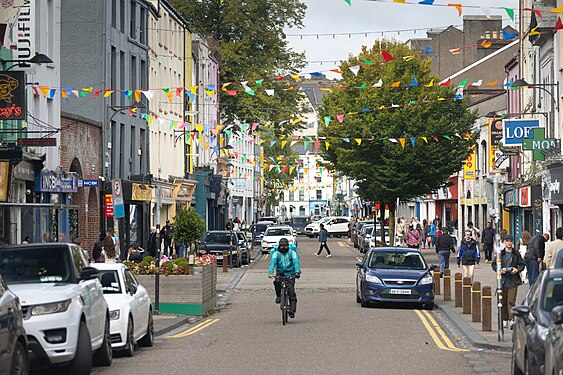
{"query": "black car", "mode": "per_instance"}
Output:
(298, 223)
(14, 357)
(258, 231)
(244, 247)
(533, 320)
(554, 343)
(215, 242)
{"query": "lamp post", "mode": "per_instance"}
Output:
(39, 58)
(519, 83)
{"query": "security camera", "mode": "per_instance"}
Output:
(27, 191)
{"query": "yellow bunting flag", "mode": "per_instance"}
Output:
(557, 10)
(486, 44)
(88, 89)
(283, 143)
(170, 94)
(297, 120)
(210, 92)
(296, 78)
(193, 89)
(224, 88)
(261, 141)
(402, 140)
(359, 140)
(425, 139)
(137, 95)
(327, 144)
(149, 122)
(400, 1)
(396, 84)
(535, 31)
(408, 58)
(108, 93)
(44, 90)
(325, 89)
(430, 84)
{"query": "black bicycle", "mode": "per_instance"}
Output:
(284, 303)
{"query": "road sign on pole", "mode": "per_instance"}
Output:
(117, 197)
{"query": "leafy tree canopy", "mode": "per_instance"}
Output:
(253, 46)
(188, 227)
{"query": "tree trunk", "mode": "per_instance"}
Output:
(382, 223)
(392, 221)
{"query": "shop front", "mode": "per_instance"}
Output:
(137, 199)
(183, 193)
(446, 204)
(162, 203)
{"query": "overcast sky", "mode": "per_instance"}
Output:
(335, 16)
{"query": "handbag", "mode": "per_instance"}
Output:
(102, 257)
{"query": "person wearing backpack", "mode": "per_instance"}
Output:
(468, 255)
(534, 256)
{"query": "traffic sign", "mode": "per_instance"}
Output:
(117, 195)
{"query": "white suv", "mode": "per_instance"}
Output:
(65, 314)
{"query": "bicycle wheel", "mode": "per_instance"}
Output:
(283, 306)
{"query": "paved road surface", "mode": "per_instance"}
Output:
(331, 333)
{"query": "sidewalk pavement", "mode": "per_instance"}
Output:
(472, 331)
(164, 323)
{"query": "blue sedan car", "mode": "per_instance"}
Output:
(395, 275)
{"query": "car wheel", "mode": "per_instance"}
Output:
(428, 306)
(148, 339)
(338, 236)
(104, 355)
(358, 299)
(20, 360)
(130, 346)
(82, 362)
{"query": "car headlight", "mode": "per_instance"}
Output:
(542, 332)
(426, 280)
(373, 279)
(114, 315)
(50, 308)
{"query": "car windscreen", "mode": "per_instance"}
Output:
(110, 281)
(299, 220)
(369, 230)
(378, 232)
(38, 265)
(260, 228)
(553, 294)
(278, 232)
(223, 238)
(396, 260)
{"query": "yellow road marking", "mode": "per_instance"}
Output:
(194, 329)
(430, 328)
(359, 259)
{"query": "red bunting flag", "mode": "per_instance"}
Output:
(387, 56)
(558, 24)
(446, 83)
(232, 92)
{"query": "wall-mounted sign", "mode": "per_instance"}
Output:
(37, 142)
(516, 130)
(555, 190)
(12, 96)
(88, 183)
(24, 171)
(4, 180)
(538, 143)
(469, 167)
(166, 196)
(141, 192)
(511, 198)
(495, 136)
(108, 205)
(56, 182)
(525, 196)
(24, 34)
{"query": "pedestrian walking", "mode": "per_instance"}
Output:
(437, 222)
(468, 255)
(553, 248)
(109, 254)
(444, 246)
(323, 237)
(420, 235)
(535, 254)
(426, 237)
(413, 237)
(522, 249)
(401, 231)
(512, 265)
(488, 239)
(431, 234)
(475, 232)
(166, 233)
(153, 245)
(98, 246)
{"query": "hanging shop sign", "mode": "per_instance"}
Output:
(141, 192)
(495, 136)
(539, 144)
(12, 96)
(555, 188)
(516, 130)
(25, 31)
(108, 205)
(24, 171)
(166, 196)
(469, 168)
(525, 194)
(4, 180)
(511, 198)
(56, 182)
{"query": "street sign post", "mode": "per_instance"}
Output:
(117, 197)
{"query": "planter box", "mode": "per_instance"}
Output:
(188, 295)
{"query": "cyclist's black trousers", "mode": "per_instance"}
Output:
(290, 293)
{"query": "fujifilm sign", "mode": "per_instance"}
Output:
(516, 130)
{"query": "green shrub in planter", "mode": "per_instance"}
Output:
(183, 262)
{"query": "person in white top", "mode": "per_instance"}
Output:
(475, 232)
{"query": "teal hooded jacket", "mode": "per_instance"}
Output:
(287, 263)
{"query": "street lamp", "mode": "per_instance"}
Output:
(39, 58)
(542, 86)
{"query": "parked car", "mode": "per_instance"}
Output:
(357, 230)
(258, 231)
(298, 223)
(66, 317)
(274, 234)
(14, 356)
(273, 219)
(375, 239)
(312, 230)
(398, 275)
(244, 247)
(130, 309)
(533, 320)
(215, 242)
(363, 239)
(554, 343)
(338, 226)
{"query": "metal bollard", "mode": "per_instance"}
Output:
(437, 282)
(487, 300)
(225, 257)
(458, 290)
(476, 302)
(447, 285)
(466, 308)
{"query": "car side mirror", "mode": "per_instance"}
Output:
(360, 264)
(88, 273)
(521, 311)
(132, 289)
(557, 315)
(433, 267)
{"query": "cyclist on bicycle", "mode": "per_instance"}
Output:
(286, 262)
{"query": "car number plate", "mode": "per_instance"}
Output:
(399, 291)
(219, 257)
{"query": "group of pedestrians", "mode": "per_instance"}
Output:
(418, 234)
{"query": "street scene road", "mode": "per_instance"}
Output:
(331, 333)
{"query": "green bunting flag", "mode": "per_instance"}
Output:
(367, 61)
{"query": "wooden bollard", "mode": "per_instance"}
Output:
(225, 260)
(447, 285)
(458, 290)
(487, 300)
(466, 295)
(476, 302)
(437, 282)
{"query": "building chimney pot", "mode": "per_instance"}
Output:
(487, 35)
(495, 34)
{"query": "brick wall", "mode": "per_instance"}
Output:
(81, 153)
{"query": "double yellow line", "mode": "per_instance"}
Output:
(440, 338)
(194, 329)
(265, 256)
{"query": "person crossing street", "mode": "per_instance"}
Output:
(323, 237)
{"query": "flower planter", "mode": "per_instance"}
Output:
(191, 294)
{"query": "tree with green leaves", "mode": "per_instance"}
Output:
(430, 131)
(188, 227)
(253, 47)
